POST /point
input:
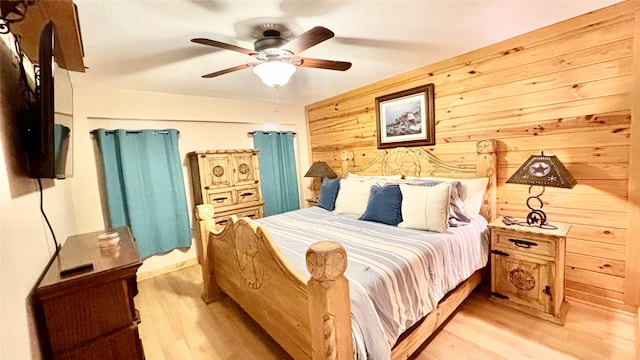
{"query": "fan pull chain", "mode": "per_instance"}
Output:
(277, 110)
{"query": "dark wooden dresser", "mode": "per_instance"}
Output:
(89, 313)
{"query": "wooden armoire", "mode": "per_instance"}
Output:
(229, 180)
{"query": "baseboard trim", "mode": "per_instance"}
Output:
(167, 269)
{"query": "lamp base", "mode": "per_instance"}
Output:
(537, 217)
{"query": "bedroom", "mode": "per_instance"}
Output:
(66, 201)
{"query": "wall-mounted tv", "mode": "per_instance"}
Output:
(50, 121)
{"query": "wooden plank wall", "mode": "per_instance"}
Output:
(565, 89)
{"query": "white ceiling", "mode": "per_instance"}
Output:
(145, 45)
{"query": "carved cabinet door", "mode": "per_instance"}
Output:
(526, 281)
(216, 169)
(243, 169)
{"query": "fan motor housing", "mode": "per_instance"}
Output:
(270, 40)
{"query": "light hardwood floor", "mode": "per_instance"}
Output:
(176, 324)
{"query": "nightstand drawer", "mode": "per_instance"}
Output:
(511, 241)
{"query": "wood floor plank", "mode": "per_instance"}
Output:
(177, 324)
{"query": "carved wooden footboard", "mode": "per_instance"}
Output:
(309, 315)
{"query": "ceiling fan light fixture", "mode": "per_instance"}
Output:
(274, 73)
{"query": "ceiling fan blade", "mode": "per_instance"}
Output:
(223, 46)
(226, 71)
(325, 64)
(312, 37)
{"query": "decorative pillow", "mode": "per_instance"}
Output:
(328, 193)
(426, 207)
(457, 212)
(384, 206)
(353, 196)
(472, 194)
(474, 190)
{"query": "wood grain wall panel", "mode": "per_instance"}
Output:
(632, 290)
(596, 295)
(607, 282)
(568, 201)
(595, 264)
(600, 234)
(564, 89)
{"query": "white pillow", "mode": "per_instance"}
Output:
(472, 192)
(353, 196)
(426, 207)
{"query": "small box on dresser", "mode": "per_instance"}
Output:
(527, 269)
(87, 299)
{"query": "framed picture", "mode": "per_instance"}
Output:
(406, 118)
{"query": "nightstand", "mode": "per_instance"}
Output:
(312, 202)
(527, 269)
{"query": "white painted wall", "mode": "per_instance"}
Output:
(74, 205)
(204, 124)
(26, 244)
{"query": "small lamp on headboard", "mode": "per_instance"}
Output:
(541, 170)
(320, 170)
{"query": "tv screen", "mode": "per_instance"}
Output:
(49, 148)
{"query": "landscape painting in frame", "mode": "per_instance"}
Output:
(406, 118)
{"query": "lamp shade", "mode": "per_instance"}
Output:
(543, 170)
(274, 73)
(320, 169)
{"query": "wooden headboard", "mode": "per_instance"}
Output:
(467, 160)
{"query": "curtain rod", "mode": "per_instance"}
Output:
(250, 133)
(190, 120)
(162, 132)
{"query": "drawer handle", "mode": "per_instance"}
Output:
(220, 199)
(523, 243)
(246, 194)
(498, 252)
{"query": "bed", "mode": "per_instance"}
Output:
(309, 313)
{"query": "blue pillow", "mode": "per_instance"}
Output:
(385, 205)
(328, 193)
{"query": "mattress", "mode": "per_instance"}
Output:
(396, 275)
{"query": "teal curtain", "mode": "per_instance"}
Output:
(277, 171)
(145, 188)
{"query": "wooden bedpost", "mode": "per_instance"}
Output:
(346, 157)
(329, 302)
(485, 167)
(212, 292)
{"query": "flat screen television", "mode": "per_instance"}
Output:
(50, 120)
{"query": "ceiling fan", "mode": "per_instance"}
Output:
(277, 58)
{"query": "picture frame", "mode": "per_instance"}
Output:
(406, 118)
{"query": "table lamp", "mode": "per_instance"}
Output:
(319, 170)
(541, 170)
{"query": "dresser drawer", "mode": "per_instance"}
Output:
(252, 213)
(511, 241)
(221, 198)
(248, 194)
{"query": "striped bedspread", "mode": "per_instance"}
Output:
(396, 276)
